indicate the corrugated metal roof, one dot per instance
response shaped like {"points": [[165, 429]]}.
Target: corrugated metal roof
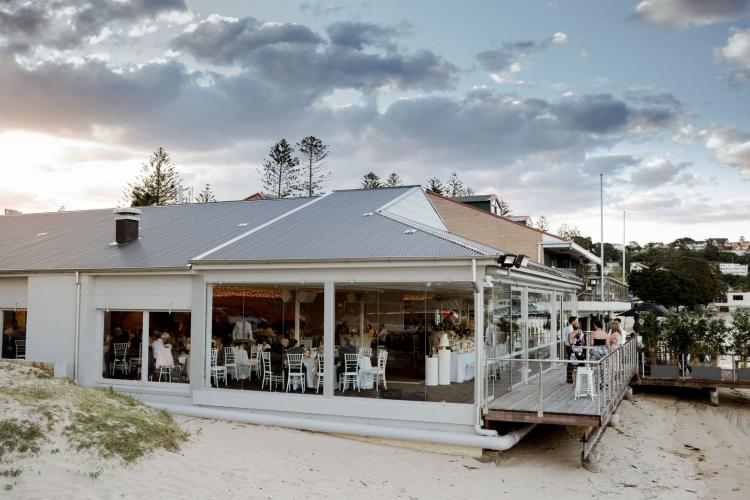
{"points": [[169, 236], [331, 227], [336, 227]]}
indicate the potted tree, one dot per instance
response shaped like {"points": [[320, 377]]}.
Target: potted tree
{"points": [[709, 339], [676, 337], [741, 341]]}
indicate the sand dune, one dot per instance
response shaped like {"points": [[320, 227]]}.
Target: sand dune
{"points": [[668, 446]]}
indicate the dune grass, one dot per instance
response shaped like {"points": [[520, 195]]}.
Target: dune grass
{"points": [[119, 426], [18, 437]]}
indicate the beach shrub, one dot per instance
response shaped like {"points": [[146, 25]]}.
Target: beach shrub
{"points": [[677, 333], [650, 333], [119, 426], [741, 335]]}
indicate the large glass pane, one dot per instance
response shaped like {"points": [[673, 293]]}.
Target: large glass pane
{"points": [[540, 324], [121, 350], [265, 337], [393, 334], [14, 334], [169, 347]]}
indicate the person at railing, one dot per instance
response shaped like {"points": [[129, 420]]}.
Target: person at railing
{"points": [[623, 333], [565, 334], [577, 340], [599, 339], [615, 335]]}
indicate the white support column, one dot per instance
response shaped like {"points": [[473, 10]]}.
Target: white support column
{"points": [[525, 333], [145, 360], [200, 333], [329, 337], [296, 315], [479, 344]]}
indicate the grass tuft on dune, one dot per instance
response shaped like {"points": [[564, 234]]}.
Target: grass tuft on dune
{"points": [[38, 412]]}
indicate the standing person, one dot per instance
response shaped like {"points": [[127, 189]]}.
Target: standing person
{"points": [[565, 334], [615, 335], [576, 340], [623, 333], [598, 338]]}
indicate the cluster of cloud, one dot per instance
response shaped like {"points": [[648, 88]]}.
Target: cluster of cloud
{"points": [[504, 63], [227, 87], [682, 14]]}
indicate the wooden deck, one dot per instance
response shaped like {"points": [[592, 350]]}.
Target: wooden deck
{"points": [[559, 407]]}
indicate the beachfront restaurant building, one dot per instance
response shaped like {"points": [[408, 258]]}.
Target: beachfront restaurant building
{"points": [[355, 312]]}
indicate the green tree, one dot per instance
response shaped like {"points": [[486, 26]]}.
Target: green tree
{"points": [[314, 151], [393, 180], [435, 186], [741, 335], [455, 187], [206, 195], [371, 180], [568, 232], [542, 223], [280, 172], [503, 208], [158, 183]]}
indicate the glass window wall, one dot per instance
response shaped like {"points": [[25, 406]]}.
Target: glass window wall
{"points": [[14, 334], [267, 337], [122, 348]]}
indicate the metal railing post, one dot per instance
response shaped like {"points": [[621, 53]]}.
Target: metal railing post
{"points": [[540, 412]]}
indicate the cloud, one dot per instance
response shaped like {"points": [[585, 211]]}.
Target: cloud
{"points": [[729, 146], [293, 55], [358, 36], [736, 52], [682, 14], [502, 63], [67, 24], [659, 171]]}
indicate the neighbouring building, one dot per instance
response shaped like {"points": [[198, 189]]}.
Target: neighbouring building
{"points": [[720, 243], [637, 266], [186, 306], [734, 300], [541, 246], [733, 269], [696, 246]]}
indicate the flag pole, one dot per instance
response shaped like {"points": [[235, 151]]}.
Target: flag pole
{"points": [[624, 248], [601, 220]]}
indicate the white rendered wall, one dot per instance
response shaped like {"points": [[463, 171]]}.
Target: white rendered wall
{"points": [[13, 293], [136, 293], [50, 323]]}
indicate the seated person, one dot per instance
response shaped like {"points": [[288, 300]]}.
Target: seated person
{"points": [[295, 347]]}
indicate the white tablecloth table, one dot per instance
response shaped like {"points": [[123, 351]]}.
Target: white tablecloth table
{"points": [[311, 366], [463, 366]]}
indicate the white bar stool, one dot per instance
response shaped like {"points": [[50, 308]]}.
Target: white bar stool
{"points": [[590, 391]]}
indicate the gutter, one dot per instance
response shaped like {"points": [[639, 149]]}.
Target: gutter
{"points": [[499, 443], [77, 326]]}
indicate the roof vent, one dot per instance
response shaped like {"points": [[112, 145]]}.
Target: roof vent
{"points": [[126, 224], [410, 231]]}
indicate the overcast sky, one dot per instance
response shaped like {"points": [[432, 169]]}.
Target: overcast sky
{"points": [[530, 100]]}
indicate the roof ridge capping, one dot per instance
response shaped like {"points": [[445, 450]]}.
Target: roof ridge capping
{"points": [[258, 228]]}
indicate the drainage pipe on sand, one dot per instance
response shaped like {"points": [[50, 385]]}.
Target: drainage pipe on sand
{"points": [[499, 443]]}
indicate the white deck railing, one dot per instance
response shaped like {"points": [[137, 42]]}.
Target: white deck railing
{"points": [[612, 373]]}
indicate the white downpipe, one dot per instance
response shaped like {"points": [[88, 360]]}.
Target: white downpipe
{"points": [[77, 326], [499, 443], [478, 349]]}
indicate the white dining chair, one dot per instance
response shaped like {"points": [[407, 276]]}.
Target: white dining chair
{"points": [[295, 370], [378, 371], [120, 362], [230, 363], [365, 352], [217, 371], [268, 375], [20, 349], [320, 376], [351, 367]]}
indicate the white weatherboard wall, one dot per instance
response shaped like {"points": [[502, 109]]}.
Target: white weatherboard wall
{"points": [[143, 293], [13, 293], [50, 324]]}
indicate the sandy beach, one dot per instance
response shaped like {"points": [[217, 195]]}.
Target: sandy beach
{"points": [[669, 445]]}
